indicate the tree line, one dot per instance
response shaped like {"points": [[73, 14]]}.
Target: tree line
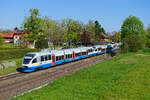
{"points": [[42, 30], [58, 32]]}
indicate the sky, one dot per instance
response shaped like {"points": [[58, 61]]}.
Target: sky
{"points": [[109, 13]]}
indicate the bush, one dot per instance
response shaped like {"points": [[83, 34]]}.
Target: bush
{"points": [[14, 53], [124, 48], [148, 43], [41, 43], [134, 43], [1, 40]]}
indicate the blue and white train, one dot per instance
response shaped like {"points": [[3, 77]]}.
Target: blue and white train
{"points": [[40, 60]]}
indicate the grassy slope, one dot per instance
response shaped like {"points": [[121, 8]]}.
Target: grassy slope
{"points": [[12, 68], [122, 78], [14, 55]]}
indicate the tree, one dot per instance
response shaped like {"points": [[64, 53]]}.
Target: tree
{"points": [[91, 29], [33, 25], [54, 32], [74, 29], [5, 31], [98, 31], [42, 42], [85, 38], [116, 37], [148, 32], [132, 25], [148, 36]]}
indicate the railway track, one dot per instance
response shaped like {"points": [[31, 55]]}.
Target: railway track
{"points": [[24, 84], [6, 77]]}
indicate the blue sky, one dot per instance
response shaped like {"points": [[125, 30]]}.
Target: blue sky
{"points": [[110, 13]]}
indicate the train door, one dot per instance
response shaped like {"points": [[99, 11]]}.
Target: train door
{"points": [[87, 52], [101, 51], [73, 57], [53, 59]]}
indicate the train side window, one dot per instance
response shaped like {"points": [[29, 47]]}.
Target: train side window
{"points": [[80, 54], [62, 57], [83, 53], [46, 58], [34, 60], [49, 57], [70, 55], [57, 58], [42, 58]]}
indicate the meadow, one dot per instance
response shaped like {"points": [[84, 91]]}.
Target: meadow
{"points": [[125, 77]]}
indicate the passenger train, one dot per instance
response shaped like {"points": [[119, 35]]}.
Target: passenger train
{"points": [[40, 60]]}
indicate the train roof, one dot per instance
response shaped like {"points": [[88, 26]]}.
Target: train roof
{"points": [[76, 50], [57, 52], [102, 46], [38, 53], [68, 51]]}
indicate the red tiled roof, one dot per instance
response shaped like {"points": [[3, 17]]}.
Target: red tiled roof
{"points": [[11, 35], [6, 35]]}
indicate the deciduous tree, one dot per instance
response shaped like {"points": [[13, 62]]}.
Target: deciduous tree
{"points": [[74, 29], [85, 38], [33, 25], [91, 29], [132, 25]]}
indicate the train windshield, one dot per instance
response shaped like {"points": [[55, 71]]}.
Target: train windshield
{"points": [[28, 58]]}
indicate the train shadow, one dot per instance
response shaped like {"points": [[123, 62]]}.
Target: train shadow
{"points": [[18, 69]]}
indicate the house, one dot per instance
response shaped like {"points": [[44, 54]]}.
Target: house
{"points": [[15, 37]]}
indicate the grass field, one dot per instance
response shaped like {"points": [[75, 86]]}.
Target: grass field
{"points": [[125, 77]]}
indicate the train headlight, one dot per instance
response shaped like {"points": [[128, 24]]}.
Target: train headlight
{"points": [[25, 67]]}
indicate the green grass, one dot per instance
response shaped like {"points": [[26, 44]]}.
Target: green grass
{"points": [[6, 54], [12, 68], [126, 77], [5, 45]]}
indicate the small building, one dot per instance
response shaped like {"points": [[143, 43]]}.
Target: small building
{"points": [[15, 37]]}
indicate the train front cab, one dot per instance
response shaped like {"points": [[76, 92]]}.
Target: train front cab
{"points": [[39, 61]]}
